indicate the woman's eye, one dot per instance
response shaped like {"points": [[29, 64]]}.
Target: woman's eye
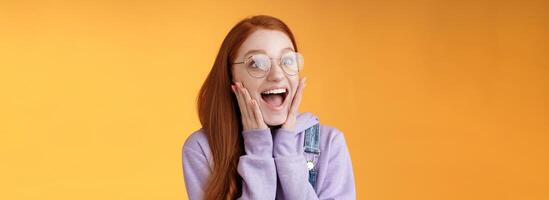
{"points": [[288, 61], [251, 64], [260, 65]]}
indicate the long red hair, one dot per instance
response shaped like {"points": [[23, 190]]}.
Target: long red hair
{"points": [[219, 113]]}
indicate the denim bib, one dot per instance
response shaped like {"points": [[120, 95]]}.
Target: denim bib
{"points": [[311, 146]]}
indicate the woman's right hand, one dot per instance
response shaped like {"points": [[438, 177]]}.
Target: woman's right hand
{"points": [[249, 108]]}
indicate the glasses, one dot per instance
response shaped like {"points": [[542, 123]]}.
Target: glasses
{"points": [[259, 65]]}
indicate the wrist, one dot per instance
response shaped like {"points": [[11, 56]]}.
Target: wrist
{"points": [[258, 142], [285, 143]]}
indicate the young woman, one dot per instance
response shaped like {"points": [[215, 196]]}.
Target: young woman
{"points": [[253, 143]]}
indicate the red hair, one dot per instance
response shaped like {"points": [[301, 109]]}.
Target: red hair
{"points": [[219, 113]]}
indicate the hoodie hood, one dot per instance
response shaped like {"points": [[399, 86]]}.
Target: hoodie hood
{"points": [[305, 120]]}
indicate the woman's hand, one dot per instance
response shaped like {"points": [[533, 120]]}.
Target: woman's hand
{"points": [[292, 113], [249, 109]]}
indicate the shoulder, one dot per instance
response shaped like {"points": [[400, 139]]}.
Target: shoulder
{"points": [[197, 142], [331, 138], [330, 132]]}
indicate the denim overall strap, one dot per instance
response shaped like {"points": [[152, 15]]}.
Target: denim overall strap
{"points": [[311, 146]]}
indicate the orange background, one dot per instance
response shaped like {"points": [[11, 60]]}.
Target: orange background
{"points": [[437, 99]]}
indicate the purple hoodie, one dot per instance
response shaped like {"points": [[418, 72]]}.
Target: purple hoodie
{"points": [[274, 166]]}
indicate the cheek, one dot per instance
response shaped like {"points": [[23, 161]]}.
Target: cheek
{"points": [[250, 84], [238, 74]]}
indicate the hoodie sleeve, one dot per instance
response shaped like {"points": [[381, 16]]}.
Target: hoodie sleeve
{"points": [[196, 171], [293, 174], [257, 167]]}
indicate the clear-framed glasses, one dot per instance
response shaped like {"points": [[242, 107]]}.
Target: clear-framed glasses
{"points": [[259, 65]]}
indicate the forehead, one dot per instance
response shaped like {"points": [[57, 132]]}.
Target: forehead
{"points": [[272, 42]]}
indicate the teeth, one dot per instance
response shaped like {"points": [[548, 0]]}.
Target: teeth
{"points": [[275, 91]]}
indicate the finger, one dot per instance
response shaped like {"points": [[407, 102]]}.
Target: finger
{"points": [[245, 104], [240, 100], [297, 98], [241, 105], [258, 115], [249, 106], [245, 92]]}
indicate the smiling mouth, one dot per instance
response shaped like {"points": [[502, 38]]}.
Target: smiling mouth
{"points": [[275, 98]]}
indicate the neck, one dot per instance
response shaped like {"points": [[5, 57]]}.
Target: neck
{"points": [[273, 128]]}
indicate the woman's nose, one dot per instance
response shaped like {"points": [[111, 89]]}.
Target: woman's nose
{"points": [[276, 73]]}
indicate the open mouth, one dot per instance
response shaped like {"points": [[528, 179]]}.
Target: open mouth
{"points": [[274, 97]]}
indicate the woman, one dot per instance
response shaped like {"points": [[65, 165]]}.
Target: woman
{"points": [[253, 143]]}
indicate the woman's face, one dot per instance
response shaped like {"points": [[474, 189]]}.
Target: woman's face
{"points": [[264, 90]]}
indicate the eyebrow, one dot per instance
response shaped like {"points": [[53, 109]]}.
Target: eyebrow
{"points": [[263, 51]]}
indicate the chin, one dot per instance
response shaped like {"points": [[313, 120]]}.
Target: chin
{"points": [[275, 120]]}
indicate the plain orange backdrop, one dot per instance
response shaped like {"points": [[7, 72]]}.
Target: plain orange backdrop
{"points": [[437, 99]]}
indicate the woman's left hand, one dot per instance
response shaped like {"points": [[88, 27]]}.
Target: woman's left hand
{"points": [[296, 101]]}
